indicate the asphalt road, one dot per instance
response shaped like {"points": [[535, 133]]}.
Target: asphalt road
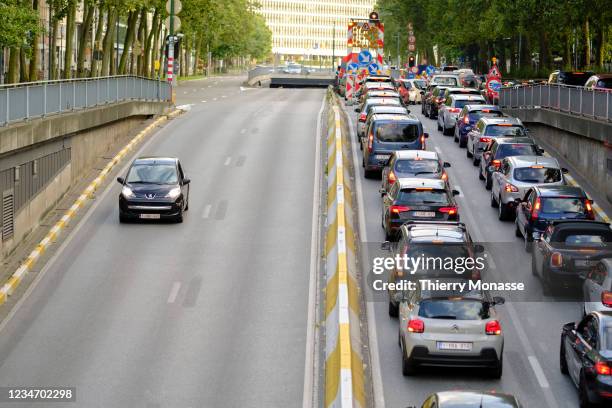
{"points": [[531, 326], [208, 313]]}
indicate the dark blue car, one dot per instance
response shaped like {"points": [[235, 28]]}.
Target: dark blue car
{"points": [[387, 133], [470, 114]]}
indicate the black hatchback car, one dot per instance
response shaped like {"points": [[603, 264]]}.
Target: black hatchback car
{"points": [[586, 356], [155, 188]]}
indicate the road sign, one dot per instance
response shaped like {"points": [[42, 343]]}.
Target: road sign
{"points": [[430, 69], [410, 32], [415, 69], [411, 47], [177, 6], [373, 68], [177, 23], [353, 67], [411, 75], [412, 39], [493, 85], [365, 57]]}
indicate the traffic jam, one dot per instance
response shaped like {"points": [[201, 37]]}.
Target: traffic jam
{"points": [[454, 324]]}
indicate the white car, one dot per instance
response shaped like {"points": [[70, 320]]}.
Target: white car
{"points": [[410, 90], [454, 327], [450, 110], [516, 175]]}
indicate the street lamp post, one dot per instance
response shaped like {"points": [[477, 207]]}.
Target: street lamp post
{"points": [[397, 37]]}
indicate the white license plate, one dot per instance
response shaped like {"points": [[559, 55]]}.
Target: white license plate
{"points": [[382, 156], [150, 216], [451, 345], [584, 262], [428, 214]]}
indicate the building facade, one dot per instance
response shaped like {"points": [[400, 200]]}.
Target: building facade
{"points": [[310, 29]]}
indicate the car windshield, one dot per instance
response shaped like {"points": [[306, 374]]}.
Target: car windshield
{"points": [[607, 340], [416, 167], [605, 83], [516, 149], [393, 131], [422, 196], [537, 175], [462, 309], [477, 114], [420, 84], [445, 81], [563, 205], [589, 240], [153, 174], [497, 130]]}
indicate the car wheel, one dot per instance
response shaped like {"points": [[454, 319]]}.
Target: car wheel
{"points": [[496, 372], [475, 160], [440, 127], [467, 152], [408, 366], [534, 270], [455, 139], [123, 219], [503, 211], [583, 394], [517, 230], [393, 310], [488, 181], [562, 360], [480, 176], [493, 200], [368, 173]]}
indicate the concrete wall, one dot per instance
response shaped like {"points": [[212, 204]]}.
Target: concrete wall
{"points": [[585, 143]]}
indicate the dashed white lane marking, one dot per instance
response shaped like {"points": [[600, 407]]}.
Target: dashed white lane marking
{"points": [[209, 86], [206, 212], [228, 161], [176, 286], [203, 101], [184, 92], [224, 96], [539, 373], [243, 131], [214, 99], [458, 188], [437, 149]]}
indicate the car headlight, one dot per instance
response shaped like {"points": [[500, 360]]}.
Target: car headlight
{"points": [[175, 192], [127, 192]]}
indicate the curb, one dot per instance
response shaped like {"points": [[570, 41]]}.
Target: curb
{"points": [[26, 266], [344, 367]]}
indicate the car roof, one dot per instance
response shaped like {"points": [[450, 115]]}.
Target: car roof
{"points": [[607, 263], [395, 116], [530, 160], [582, 224], [467, 97], [506, 119], [514, 140], [416, 182], [475, 399], [462, 89], [481, 107], [155, 160], [413, 154], [555, 191]]}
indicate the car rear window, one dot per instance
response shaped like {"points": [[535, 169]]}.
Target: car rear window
{"points": [[537, 175], [153, 174], [585, 240], [393, 131], [516, 149], [462, 103], [607, 340], [420, 84], [605, 83], [576, 79], [464, 309], [476, 114], [563, 205], [422, 197], [497, 130], [417, 167], [445, 81]]}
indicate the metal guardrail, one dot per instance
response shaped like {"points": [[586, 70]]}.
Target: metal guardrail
{"points": [[269, 70], [574, 100], [30, 100]]}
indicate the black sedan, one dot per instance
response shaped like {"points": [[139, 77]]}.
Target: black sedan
{"points": [[586, 356], [155, 188]]}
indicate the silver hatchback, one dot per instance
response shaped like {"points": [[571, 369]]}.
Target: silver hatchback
{"points": [[453, 326]]}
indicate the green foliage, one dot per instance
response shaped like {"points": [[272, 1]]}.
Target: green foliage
{"points": [[19, 22]]}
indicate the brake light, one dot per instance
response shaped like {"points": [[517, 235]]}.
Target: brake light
{"points": [[444, 176], [485, 139], [396, 209], [454, 110], [448, 210], [496, 163], [391, 177], [423, 141], [606, 298], [589, 208], [362, 117], [536, 209], [510, 188], [466, 119], [370, 141], [416, 326], [602, 368], [493, 328], [556, 259], [505, 124]]}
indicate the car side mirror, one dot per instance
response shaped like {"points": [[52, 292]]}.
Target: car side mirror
{"points": [[186, 181], [492, 169], [498, 300], [569, 326], [478, 248], [540, 151], [536, 236], [456, 192], [426, 135], [447, 164], [120, 180], [564, 170], [357, 110], [382, 191], [408, 110], [518, 201], [386, 246]]}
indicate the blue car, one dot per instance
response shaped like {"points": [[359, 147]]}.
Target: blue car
{"points": [[470, 114], [387, 133]]}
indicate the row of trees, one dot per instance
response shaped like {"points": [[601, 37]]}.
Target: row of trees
{"points": [[535, 35], [227, 28]]}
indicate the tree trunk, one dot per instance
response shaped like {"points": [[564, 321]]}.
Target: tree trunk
{"points": [[147, 49], [163, 57], [33, 75], [13, 71], [545, 53], [603, 44], [128, 41], [198, 46], [587, 43], [97, 43], [525, 53], [108, 41], [567, 51], [84, 37], [23, 65], [70, 23], [54, 58], [142, 29], [156, 52]]}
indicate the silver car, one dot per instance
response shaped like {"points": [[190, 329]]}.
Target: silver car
{"points": [[516, 175], [488, 128], [369, 102], [597, 287], [450, 327], [449, 111]]}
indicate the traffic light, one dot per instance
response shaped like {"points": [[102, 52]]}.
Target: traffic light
{"points": [[411, 61], [373, 17]]}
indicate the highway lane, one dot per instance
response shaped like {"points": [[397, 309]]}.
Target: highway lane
{"points": [[208, 313], [531, 327]]}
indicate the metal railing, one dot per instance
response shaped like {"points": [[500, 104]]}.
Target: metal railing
{"points": [[30, 100], [575, 100]]}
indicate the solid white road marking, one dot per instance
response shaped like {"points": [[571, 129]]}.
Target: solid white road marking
{"points": [[214, 99], [242, 131], [206, 212], [224, 96], [228, 161], [203, 101], [311, 333], [176, 286], [537, 369]]}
